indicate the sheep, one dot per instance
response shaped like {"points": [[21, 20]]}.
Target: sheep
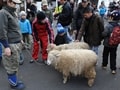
{"points": [[73, 45], [75, 62]]}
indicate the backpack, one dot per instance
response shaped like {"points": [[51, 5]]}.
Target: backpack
{"points": [[115, 36]]}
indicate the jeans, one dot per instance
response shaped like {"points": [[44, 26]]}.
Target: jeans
{"points": [[95, 49]]}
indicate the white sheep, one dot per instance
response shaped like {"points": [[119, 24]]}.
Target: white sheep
{"points": [[75, 62], [73, 45]]}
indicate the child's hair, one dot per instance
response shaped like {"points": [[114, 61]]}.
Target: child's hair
{"points": [[60, 29]]}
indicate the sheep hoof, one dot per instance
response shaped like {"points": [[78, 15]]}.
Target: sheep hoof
{"points": [[90, 82], [64, 81]]}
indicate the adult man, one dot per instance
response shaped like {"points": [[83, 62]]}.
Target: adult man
{"points": [[78, 16], [91, 28], [10, 37], [48, 13]]}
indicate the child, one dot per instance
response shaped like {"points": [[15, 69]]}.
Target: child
{"points": [[110, 49], [41, 30], [25, 28], [61, 36]]}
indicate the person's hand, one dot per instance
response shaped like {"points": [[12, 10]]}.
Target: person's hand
{"points": [[7, 51], [22, 42], [76, 41], [74, 31]]}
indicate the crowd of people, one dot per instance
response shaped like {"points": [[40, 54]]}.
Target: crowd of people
{"points": [[74, 23]]}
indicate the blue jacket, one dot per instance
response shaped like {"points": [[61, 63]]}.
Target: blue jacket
{"points": [[25, 26]]}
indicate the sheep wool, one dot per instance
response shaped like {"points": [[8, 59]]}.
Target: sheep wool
{"points": [[73, 45], [75, 62]]}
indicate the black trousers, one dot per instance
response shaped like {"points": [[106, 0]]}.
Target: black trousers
{"points": [[112, 53]]}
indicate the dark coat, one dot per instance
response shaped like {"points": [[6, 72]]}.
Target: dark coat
{"points": [[91, 30], [107, 32], [60, 39], [78, 17], [65, 17]]}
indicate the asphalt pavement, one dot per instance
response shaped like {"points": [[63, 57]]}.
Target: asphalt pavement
{"points": [[42, 77]]}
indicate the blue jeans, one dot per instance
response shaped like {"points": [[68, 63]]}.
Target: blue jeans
{"points": [[95, 49]]}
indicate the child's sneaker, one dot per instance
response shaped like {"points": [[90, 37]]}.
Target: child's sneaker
{"points": [[113, 72]]}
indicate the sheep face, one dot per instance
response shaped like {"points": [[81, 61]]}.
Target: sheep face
{"points": [[53, 57]]}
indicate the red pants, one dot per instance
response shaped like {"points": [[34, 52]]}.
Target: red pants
{"points": [[36, 48]]}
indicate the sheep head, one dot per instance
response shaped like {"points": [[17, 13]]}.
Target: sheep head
{"points": [[50, 47], [53, 57]]}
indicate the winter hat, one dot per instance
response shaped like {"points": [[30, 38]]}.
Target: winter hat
{"points": [[23, 13], [40, 15], [60, 29], [115, 15], [44, 2]]}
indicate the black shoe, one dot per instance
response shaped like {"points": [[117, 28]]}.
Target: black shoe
{"points": [[19, 86]]}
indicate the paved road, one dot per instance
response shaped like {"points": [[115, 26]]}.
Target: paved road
{"points": [[43, 77]]}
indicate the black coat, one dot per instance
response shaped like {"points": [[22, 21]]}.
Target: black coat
{"points": [[65, 17]]}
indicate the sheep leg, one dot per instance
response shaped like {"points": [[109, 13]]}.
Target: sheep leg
{"points": [[90, 74], [65, 77], [90, 82]]}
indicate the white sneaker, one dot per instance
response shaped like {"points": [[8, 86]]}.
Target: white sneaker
{"points": [[113, 72]]}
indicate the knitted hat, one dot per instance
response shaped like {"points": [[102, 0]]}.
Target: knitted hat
{"points": [[115, 15], [60, 29], [23, 13], [40, 15], [44, 2]]}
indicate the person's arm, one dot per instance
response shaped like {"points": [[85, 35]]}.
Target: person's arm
{"points": [[34, 31], [3, 30], [29, 26], [3, 33], [81, 31], [50, 32]]}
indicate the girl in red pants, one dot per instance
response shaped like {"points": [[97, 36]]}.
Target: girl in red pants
{"points": [[41, 30]]}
